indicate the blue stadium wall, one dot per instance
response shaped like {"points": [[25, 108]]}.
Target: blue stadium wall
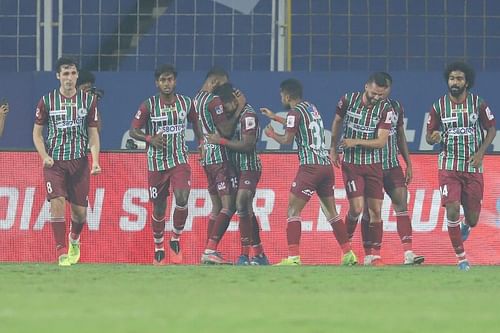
{"points": [[125, 91]]}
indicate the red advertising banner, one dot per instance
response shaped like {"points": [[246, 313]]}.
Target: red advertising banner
{"points": [[119, 223]]}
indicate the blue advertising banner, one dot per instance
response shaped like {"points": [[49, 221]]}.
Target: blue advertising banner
{"points": [[124, 92]]}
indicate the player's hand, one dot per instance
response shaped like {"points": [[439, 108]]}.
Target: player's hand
{"points": [[96, 168], [268, 113], [269, 131], [48, 162], [476, 160], [348, 143], [240, 97], [158, 141], [213, 138], [409, 174], [4, 109], [334, 156], [435, 137]]}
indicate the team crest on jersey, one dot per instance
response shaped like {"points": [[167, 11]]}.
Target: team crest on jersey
{"points": [[249, 123], [219, 109], [489, 114], [473, 118], [182, 114], [290, 121], [82, 112]]}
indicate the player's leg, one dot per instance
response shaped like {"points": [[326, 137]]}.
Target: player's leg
{"points": [[366, 237], [374, 192], [354, 184], [55, 186], [243, 201], [158, 192], [78, 191], [227, 185], [210, 172], [181, 184], [325, 183], [451, 192], [472, 196]]}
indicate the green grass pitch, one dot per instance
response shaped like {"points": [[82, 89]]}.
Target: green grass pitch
{"points": [[135, 298]]}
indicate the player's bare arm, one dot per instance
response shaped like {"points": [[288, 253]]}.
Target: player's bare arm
{"points": [[271, 115], [284, 139], [336, 125], [95, 148], [38, 141], [246, 145], [405, 152], [158, 140], [476, 160]]}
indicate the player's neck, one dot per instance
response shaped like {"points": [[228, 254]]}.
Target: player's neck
{"points": [[67, 92], [168, 99], [294, 102], [458, 99]]}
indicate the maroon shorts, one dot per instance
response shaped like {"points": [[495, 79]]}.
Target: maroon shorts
{"points": [[178, 177], [394, 178], [313, 178], [464, 187], [363, 180], [68, 179], [222, 179], [248, 180]]}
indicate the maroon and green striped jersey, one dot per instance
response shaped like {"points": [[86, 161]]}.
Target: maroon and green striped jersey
{"points": [[169, 119], [462, 127], [363, 122], [305, 122], [247, 125], [67, 120], [211, 112], [389, 154]]}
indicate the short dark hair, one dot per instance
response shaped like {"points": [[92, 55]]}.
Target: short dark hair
{"points": [[85, 76], [167, 68], [380, 79], [292, 87], [225, 92], [65, 61], [470, 74], [387, 76], [217, 72]]}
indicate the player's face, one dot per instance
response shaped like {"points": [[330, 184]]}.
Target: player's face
{"points": [[166, 83], [387, 92], [231, 107], [285, 100], [374, 93], [218, 81], [67, 76], [457, 83]]}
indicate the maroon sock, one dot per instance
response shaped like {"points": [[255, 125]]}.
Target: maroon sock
{"points": [[404, 230], [376, 232], [256, 241], [456, 238], [245, 226], [351, 223], [219, 229], [293, 232], [340, 232], [365, 235], [180, 216], [59, 231], [76, 230], [158, 225]]}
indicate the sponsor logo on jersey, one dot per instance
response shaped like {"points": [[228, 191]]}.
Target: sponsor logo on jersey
{"points": [[170, 129], [69, 123], [362, 128], [249, 123], [459, 131], [290, 121], [82, 112], [57, 112], [354, 114]]}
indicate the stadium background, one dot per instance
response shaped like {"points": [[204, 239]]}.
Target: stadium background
{"points": [[331, 45]]}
